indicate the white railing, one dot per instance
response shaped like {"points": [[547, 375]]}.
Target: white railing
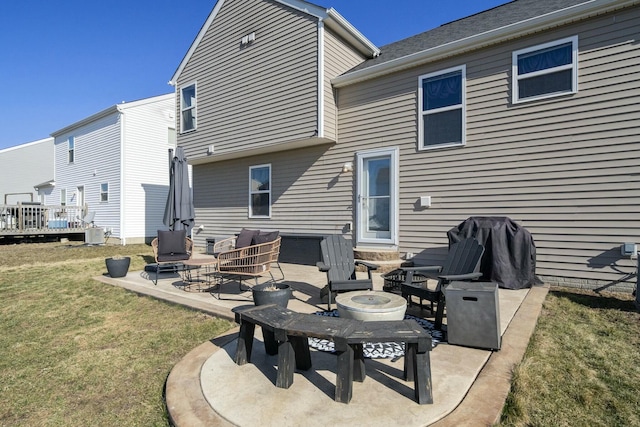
{"points": [[32, 217]]}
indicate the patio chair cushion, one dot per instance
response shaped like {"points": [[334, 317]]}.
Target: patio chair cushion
{"points": [[265, 237], [171, 243], [245, 238]]}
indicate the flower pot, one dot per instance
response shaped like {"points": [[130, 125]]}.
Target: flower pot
{"points": [[117, 267], [266, 294]]}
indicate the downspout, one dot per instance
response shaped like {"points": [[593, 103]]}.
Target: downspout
{"points": [[122, 222], [320, 79]]}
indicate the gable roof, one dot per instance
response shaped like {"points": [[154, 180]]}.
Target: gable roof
{"points": [[329, 17], [514, 19]]}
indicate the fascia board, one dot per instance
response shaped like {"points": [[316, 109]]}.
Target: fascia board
{"points": [[333, 19], [478, 41], [104, 113], [196, 42], [340, 25]]}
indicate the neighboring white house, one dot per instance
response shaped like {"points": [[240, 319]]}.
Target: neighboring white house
{"points": [[27, 172], [116, 163]]}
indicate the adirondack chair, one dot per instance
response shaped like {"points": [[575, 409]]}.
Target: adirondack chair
{"points": [[338, 263], [462, 263]]}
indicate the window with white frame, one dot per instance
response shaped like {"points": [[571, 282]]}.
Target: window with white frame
{"points": [[63, 197], [260, 191], [71, 149], [188, 105], [104, 192], [442, 109], [546, 70]]}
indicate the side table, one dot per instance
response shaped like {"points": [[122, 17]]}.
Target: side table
{"points": [[193, 274]]}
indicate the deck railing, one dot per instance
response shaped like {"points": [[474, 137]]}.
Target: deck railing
{"points": [[32, 217]]}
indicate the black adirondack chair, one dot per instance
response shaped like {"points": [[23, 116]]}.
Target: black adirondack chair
{"points": [[338, 263], [462, 263]]}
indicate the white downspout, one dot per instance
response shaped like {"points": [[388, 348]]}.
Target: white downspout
{"points": [[122, 222], [320, 79]]}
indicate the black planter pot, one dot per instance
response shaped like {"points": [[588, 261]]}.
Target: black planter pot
{"points": [[117, 267], [279, 296], [265, 294]]}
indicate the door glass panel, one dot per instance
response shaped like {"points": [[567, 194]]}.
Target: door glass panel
{"points": [[377, 200]]}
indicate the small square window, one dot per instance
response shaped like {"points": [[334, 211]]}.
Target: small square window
{"points": [[546, 70], [260, 191], [188, 105]]}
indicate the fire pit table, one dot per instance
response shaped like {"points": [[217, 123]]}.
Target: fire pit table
{"points": [[371, 305]]}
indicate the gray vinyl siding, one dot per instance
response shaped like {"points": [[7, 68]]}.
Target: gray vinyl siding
{"points": [[243, 102], [566, 168], [339, 58], [309, 194], [23, 167]]}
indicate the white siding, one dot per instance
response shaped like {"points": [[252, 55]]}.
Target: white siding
{"points": [[97, 160], [568, 168], [23, 167], [145, 164]]}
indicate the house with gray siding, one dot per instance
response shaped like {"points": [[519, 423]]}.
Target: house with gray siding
{"points": [[116, 164], [294, 121], [27, 172]]}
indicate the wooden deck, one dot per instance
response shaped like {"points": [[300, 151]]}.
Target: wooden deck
{"points": [[32, 220]]}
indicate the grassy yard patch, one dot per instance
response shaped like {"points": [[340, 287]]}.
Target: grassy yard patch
{"points": [[76, 352], [582, 365]]}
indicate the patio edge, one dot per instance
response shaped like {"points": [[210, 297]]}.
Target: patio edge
{"points": [[488, 393]]}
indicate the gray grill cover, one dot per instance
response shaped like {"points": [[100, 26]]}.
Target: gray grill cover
{"points": [[510, 252]]}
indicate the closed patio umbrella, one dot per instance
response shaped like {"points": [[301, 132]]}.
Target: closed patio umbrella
{"points": [[179, 213]]}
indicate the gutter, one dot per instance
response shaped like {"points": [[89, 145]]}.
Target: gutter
{"points": [[491, 37]]}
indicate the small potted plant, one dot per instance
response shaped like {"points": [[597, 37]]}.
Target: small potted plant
{"points": [[118, 266], [272, 293]]}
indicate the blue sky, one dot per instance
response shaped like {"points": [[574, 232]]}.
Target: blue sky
{"points": [[65, 60]]}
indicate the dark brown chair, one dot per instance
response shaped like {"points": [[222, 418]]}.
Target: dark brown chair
{"points": [[462, 264], [338, 263]]}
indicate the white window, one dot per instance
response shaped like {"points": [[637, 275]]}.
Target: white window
{"points": [[546, 70], [260, 191], [442, 109], [63, 196], [71, 148], [188, 108], [104, 192]]}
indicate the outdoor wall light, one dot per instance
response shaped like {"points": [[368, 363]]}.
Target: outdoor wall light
{"points": [[347, 167]]}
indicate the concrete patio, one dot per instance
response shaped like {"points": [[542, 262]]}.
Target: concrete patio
{"points": [[206, 388]]}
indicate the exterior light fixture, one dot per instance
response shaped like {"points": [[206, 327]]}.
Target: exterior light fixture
{"points": [[347, 167]]}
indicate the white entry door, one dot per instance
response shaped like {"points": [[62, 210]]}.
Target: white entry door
{"points": [[377, 198]]}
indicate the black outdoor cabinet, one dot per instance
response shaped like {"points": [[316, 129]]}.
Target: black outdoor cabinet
{"points": [[473, 314], [301, 249]]}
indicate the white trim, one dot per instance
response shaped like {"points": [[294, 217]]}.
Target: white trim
{"points": [[482, 40], [193, 107], [463, 69], [515, 78], [335, 21], [196, 42], [394, 197], [250, 211], [320, 79]]}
